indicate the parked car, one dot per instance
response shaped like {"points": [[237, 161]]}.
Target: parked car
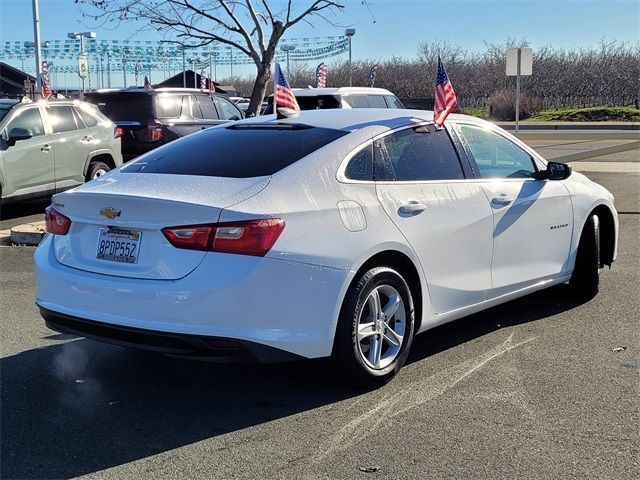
{"points": [[47, 147], [150, 118], [343, 97], [337, 233]]}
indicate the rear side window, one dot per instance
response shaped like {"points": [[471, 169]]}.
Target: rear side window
{"points": [[236, 151], [61, 119], [357, 101], [207, 107], [360, 167], [416, 154], [123, 106], [377, 101], [228, 110], [88, 119], [393, 102], [172, 106]]}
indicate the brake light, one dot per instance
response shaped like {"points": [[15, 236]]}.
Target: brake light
{"points": [[118, 132], [193, 238], [155, 131], [253, 237], [56, 222]]}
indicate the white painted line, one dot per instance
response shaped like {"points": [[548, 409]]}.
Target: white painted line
{"points": [[609, 167]]}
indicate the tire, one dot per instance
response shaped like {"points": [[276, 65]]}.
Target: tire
{"points": [[96, 169], [363, 357], [585, 280]]}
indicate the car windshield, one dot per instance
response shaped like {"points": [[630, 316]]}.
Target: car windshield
{"points": [[237, 151], [3, 111], [125, 106]]}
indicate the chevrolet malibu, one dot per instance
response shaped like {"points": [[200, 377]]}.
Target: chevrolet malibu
{"points": [[336, 233]]}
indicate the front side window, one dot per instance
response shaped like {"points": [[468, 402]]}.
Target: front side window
{"points": [[416, 154], [28, 119], [360, 167], [496, 156], [377, 101], [61, 119], [229, 110]]}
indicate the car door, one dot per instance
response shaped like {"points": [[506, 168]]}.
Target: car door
{"points": [[206, 109], [421, 184], [533, 219], [28, 164], [70, 145]]}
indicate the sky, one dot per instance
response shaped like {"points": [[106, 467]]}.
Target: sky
{"points": [[386, 28]]}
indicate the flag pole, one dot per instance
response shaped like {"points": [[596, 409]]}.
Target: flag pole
{"points": [[275, 102]]}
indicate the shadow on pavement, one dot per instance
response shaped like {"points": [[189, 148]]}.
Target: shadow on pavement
{"points": [[18, 210], [81, 407]]}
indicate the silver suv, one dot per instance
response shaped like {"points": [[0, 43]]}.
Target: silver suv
{"points": [[47, 147]]}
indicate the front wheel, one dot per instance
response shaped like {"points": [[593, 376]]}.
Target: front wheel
{"points": [[585, 280], [375, 328]]}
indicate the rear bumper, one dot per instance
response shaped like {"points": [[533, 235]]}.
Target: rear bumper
{"points": [[285, 305], [194, 346]]}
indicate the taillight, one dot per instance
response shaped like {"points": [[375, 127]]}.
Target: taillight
{"points": [[154, 131], [193, 238], [56, 222], [253, 237], [118, 132]]}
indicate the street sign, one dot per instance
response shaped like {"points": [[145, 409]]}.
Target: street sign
{"points": [[526, 62], [83, 65], [519, 63]]}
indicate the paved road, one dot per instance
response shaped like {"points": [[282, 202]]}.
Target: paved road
{"points": [[531, 389]]}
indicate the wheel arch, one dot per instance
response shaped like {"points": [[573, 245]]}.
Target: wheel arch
{"points": [[607, 233], [409, 271], [99, 156]]}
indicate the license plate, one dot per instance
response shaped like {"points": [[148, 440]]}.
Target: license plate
{"points": [[118, 245]]}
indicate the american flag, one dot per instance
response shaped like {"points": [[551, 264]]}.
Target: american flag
{"points": [[203, 80], [372, 75], [45, 89], [147, 83], [446, 100], [284, 97], [321, 75]]}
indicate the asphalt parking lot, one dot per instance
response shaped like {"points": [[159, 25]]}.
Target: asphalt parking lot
{"points": [[541, 387]]}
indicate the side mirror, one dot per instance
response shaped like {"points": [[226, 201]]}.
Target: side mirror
{"points": [[555, 171], [18, 133]]}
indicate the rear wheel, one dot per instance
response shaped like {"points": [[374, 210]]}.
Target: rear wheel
{"points": [[585, 280], [97, 169], [375, 329]]}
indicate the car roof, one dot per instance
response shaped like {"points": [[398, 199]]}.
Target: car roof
{"points": [[154, 90], [314, 92], [351, 119]]}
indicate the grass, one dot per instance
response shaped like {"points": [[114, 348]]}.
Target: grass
{"points": [[480, 112], [592, 114]]}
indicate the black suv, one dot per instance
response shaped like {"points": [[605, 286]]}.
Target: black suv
{"points": [[150, 118]]}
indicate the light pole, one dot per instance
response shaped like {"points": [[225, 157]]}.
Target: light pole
{"points": [[36, 39], [82, 36], [287, 49], [350, 32], [182, 48]]}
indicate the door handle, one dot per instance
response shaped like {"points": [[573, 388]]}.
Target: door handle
{"points": [[45, 148], [413, 207], [87, 138], [502, 200]]}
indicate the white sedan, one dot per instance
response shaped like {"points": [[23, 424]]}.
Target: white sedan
{"points": [[338, 233]]}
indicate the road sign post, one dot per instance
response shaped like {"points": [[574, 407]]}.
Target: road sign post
{"points": [[519, 63]]}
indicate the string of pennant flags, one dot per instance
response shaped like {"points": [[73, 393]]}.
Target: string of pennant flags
{"points": [[117, 55]]}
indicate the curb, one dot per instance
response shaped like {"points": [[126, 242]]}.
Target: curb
{"points": [[28, 234]]}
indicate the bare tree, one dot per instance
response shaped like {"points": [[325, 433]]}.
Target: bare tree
{"points": [[255, 30]]}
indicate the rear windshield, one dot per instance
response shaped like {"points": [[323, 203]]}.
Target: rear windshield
{"points": [[319, 102], [236, 151], [133, 107]]}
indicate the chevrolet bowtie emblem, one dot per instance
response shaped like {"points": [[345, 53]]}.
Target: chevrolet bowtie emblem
{"points": [[110, 212]]}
